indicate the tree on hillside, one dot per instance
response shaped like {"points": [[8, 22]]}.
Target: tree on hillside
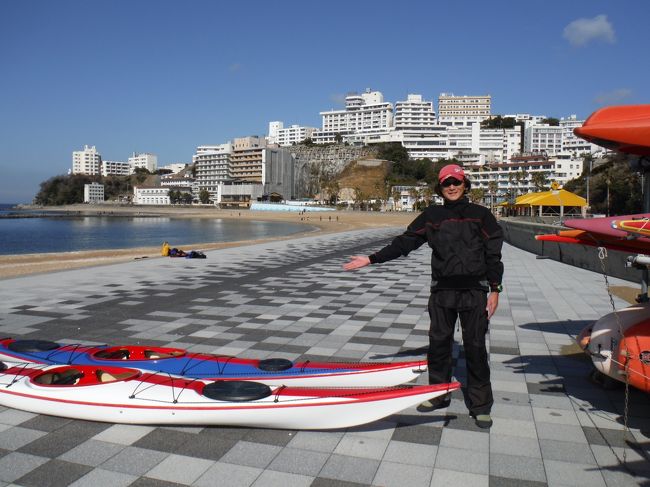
{"points": [[63, 190], [498, 122], [539, 180], [204, 196], [552, 121], [476, 195], [397, 197]]}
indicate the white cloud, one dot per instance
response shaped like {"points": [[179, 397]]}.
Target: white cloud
{"points": [[582, 31], [233, 68], [613, 97]]}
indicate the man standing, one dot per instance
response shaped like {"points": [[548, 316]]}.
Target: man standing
{"points": [[466, 274]]}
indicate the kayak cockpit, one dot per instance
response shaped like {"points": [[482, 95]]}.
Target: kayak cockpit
{"points": [[83, 375], [136, 352]]}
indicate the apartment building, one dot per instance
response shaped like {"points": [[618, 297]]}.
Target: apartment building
{"points": [[175, 167], [87, 161], [246, 159], [93, 193], [366, 113], [414, 114], [572, 143], [212, 164], [543, 138], [292, 135], [150, 195], [144, 160], [115, 168], [455, 111]]}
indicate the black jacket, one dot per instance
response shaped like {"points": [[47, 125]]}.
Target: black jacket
{"points": [[465, 239]]}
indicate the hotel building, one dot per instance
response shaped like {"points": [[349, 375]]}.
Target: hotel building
{"points": [[148, 195], [364, 114], [246, 159], [87, 161], [93, 193], [145, 160], [454, 111], [212, 166], [115, 168]]}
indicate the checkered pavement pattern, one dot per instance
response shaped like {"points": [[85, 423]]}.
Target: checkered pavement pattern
{"points": [[291, 299]]}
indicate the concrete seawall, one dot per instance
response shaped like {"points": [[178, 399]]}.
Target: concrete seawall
{"points": [[521, 234]]}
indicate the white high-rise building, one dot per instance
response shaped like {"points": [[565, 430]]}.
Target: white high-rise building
{"points": [[573, 144], [93, 193], [455, 111], [543, 138], [364, 114], [115, 168], [87, 161], [414, 114], [212, 166], [145, 160], [293, 135], [274, 127]]}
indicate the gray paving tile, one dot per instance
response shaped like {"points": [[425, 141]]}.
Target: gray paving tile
{"points": [[302, 462], [270, 478], [573, 474], [17, 437], [315, 440], [394, 474], [453, 477], [179, 469], [251, 454], [411, 453], [456, 459], [566, 451], [134, 461], [514, 445], [14, 465], [91, 453], [236, 475], [104, 477], [517, 467], [350, 469], [53, 473], [362, 447]]}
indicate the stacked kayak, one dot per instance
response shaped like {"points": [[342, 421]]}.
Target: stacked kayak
{"points": [[180, 362], [128, 395]]}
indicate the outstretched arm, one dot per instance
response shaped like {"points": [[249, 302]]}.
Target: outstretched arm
{"points": [[356, 262]]}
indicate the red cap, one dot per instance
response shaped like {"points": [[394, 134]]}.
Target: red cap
{"points": [[453, 171]]}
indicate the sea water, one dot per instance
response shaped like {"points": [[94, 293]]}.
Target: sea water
{"points": [[37, 234]]}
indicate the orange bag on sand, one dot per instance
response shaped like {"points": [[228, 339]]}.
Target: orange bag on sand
{"points": [[165, 249]]}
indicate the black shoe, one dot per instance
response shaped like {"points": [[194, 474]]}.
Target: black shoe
{"points": [[483, 421], [439, 402]]}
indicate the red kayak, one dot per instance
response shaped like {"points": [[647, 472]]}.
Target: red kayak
{"points": [[623, 128]]}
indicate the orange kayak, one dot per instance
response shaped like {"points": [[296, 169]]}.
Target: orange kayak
{"points": [[634, 351], [624, 128]]}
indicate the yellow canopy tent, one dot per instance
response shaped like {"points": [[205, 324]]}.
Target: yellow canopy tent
{"points": [[555, 198]]}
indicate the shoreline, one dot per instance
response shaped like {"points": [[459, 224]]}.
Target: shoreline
{"points": [[30, 264]]}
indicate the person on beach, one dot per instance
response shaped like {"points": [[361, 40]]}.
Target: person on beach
{"points": [[466, 274]]}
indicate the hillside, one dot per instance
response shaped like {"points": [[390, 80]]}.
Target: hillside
{"points": [[365, 175]]}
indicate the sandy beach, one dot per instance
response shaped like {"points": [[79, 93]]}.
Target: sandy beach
{"points": [[324, 222]]}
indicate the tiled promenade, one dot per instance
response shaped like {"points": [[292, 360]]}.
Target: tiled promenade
{"points": [[291, 299]]}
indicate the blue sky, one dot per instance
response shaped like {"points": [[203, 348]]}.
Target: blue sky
{"points": [[163, 77]]}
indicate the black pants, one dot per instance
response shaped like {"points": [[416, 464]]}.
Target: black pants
{"points": [[444, 307]]}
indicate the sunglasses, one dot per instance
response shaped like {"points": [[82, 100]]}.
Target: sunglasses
{"points": [[451, 182]]}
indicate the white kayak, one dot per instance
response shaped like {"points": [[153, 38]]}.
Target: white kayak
{"points": [[602, 339], [132, 396]]}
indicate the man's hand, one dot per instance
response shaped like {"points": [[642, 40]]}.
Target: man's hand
{"points": [[492, 304], [356, 262]]}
